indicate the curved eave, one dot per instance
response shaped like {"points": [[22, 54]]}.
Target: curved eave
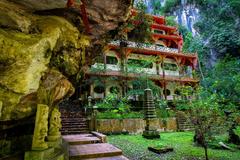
{"points": [[163, 27], [158, 19], [169, 37]]}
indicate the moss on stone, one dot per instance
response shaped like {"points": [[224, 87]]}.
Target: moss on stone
{"points": [[24, 57]]}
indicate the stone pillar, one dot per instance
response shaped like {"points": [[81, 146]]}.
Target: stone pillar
{"points": [[41, 128], [150, 131], [54, 133], [1, 106], [42, 150]]}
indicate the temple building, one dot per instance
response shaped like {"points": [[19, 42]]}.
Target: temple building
{"points": [[161, 60]]}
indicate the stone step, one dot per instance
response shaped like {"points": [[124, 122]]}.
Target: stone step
{"points": [[75, 123], [81, 139], [109, 158], [99, 150], [73, 119], [75, 126], [74, 132]]}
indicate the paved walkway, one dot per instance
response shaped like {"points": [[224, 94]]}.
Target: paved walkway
{"points": [[92, 147]]}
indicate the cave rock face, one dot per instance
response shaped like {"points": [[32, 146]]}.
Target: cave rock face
{"points": [[43, 51], [106, 15]]}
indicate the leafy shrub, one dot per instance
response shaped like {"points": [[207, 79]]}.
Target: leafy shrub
{"points": [[116, 108], [170, 20], [170, 5], [182, 106], [115, 115], [237, 131]]}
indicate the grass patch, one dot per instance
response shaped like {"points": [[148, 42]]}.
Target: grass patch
{"points": [[135, 148]]}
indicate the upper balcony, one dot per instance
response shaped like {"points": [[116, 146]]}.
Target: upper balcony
{"points": [[146, 46], [151, 49]]}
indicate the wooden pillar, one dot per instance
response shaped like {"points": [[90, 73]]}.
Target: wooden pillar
{"points": [[105, 62], [70, 3], [163, 73]]}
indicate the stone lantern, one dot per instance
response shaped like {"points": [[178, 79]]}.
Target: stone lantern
{"points": [[150, 117]]}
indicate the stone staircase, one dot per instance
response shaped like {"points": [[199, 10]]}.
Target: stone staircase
{"points": [[92, 146], [183, 122], [74, 122]]}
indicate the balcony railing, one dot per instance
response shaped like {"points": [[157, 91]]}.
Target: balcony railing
{"points": [[152, 47]]}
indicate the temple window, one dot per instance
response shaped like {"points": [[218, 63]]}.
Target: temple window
{"points": [[177, 92], [170, 67], [158, 31], [166, 92], [112, 60], [99, 89], [160, 45]]}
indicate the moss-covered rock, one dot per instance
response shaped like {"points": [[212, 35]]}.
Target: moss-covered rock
{"points": [[24, 59]]}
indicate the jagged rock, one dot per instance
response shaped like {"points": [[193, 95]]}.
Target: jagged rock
{"points": [[106, 15], [55, 83], [103, 16], [14, 16], [42, 4]]}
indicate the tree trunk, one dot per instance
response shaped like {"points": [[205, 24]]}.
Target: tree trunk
{"points": [[206, 154]]}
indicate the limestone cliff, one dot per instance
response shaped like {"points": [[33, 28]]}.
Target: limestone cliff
{"points": [[40, 51]]}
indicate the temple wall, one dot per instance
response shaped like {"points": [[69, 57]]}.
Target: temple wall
{"points": [[133, 126]]}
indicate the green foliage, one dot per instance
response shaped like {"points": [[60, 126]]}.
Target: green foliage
{"points": [[140, 5], [116, 108], [162, 110], [139, 25], [237, 131], [218, 26], [138, 65], [114, 103], [164, 113], [140, 84], [224, 80], [218, 23], [170, 5], [182, 106], [207, 119], [170, 21], [157, 8]]}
